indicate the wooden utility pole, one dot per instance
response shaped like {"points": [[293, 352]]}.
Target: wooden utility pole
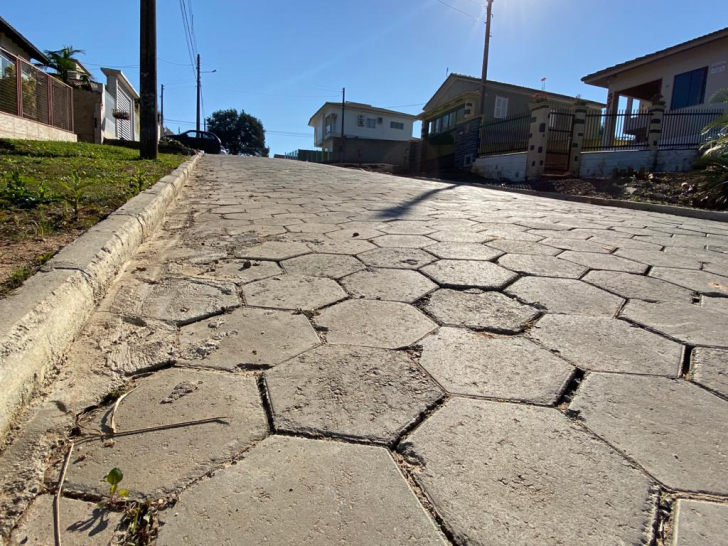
{"points": [[486, 53], [149, 133], [199, 91], [343, 111]]}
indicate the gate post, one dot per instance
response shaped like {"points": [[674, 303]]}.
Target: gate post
{"points": [[655, 127], [578, 129], [537, 141]]}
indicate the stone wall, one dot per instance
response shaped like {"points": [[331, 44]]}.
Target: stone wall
{"points": [[602, 164], [510, 167], [25, 129]]}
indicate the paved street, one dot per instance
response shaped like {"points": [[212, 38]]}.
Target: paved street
{"points": [[399, 361]]}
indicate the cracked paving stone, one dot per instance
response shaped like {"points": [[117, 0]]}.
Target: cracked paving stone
{"points": [[352, 247], [294, 491], [162, 462], [403, 241], [81, 523], [480, 310], [272, 250], [684, 322], [469, 274], [334, 266], [506, 368], [700, 523], [606, 262], [388, 284], [293, 292], [524, 247], [464, 251], [657, 258], [675, 430], [398, 258], [638, 287], [246, 338], [181, 301], [710, 369], [352, 392], [542, 266], [565, 296], [477, 462], [237, 271], [703, 282], [608, 345], [389, 325]]}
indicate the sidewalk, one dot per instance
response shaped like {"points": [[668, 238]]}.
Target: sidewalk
{"points": [[385, 361]]}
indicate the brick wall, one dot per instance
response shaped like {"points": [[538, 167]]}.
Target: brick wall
{"points": [[25, 129]]}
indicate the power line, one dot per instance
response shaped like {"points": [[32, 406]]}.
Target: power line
{"points": [[405, 105], [271, 94], [460, 11], [175, 64]]}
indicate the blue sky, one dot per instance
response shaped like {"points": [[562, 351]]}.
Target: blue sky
{"points": [[281, 59]]}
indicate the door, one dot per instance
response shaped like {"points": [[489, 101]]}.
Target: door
{"points": [[558, 147]]}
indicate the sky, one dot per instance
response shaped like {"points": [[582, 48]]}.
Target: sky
{"points": [[280, 60]]}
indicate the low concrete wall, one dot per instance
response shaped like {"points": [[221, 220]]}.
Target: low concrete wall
{"points": [[511, 167], [25, 129], [361, 150], [601, 164], [40, 319]]}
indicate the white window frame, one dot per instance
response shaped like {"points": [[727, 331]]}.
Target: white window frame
{"points": [[398, 125], [501, 107], [371, 123]]}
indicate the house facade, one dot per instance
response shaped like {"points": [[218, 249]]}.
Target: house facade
{"points": [[451, 122]]}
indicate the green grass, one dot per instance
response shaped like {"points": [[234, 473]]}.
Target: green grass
{"points": [[109, 169]]}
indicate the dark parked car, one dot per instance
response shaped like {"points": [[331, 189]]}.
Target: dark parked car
{"points": [[200, 140]]}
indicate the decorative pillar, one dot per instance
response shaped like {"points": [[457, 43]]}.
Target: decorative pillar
{"points": [[537, 140], [610, 120], [578, 129], [655, 127]]}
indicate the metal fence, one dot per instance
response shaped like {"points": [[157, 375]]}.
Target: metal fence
{"points": [[507, 135], [312, 156], [28, 92], [682, 129], [622, 130]]}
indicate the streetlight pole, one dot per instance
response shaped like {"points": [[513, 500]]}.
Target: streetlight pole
{"points": [[149, 133], [199, 91], [343, 112], [486, 53]]}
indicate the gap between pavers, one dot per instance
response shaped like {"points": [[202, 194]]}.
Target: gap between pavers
{"points": [[40, 320]]}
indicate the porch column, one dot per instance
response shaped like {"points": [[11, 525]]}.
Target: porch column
{"points": [[610, 120], [578, 130], [538, 138]]}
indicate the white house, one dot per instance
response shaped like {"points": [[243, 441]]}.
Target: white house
{"points": [[361, 121]]}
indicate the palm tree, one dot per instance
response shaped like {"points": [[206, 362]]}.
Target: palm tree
{"points": [[63, 62]]}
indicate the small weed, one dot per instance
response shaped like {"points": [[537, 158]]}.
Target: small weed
{"points": [[137, 182], [73, 190], [19, 194], [16, 278]]}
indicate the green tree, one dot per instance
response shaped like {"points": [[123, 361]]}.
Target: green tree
{"points": [[240, 133], [715, 156], [62, 61]]}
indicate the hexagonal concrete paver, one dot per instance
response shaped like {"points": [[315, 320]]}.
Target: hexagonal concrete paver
{"points": [[399, 258], [464, 251], [638, 287], [460, 236], [609, 345], [506, 474], [542, 266], [246, 338], [181, 301], [352, 392], [565, 296], [699, 523], [407, 227], [524, 247], [312, 227], [658, 258], [403, 241], [710, 369], [290, 491], [703, 282], [687, 323], [272, 250], [384, 324], [577, 245], [352, 247], [159, 463], [674, 429], [388, 284], [507, 368], [354, 234], [480, 310], [237, 271], [469, 274], [334, 266], [715, 304], [293, 292], [607, 262]]}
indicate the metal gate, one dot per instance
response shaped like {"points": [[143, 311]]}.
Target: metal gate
{"points": [[558, 146]]}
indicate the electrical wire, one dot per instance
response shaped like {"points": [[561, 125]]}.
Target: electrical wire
{"points": [[460, 11], [271, 94]]}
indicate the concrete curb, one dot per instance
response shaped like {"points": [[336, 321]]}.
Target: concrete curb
{"points": [[40, 320], [647, 207]]}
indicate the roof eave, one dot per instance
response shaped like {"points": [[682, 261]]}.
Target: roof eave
{"points": [[16, 36]]}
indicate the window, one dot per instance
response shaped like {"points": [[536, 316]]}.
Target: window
{"points": [[501, 107], [689, 88], [371, 123], [331, 123], [446, 122], [397, 125]]}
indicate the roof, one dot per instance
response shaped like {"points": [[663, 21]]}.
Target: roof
{"points": [[108, 72], [596, 77], [361, 106], [10, 31], [529, 90]]}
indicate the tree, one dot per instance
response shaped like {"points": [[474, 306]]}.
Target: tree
{"points": [[715, 155], [240, 133], [62, 61]]}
